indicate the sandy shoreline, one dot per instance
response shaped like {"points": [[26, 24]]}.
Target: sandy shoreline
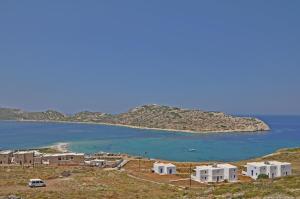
{"points": [[142, 128], [63, 147]]}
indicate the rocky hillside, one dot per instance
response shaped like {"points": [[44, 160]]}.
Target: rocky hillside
{"points": [[151, 116], [17, 114], [10, 114]]}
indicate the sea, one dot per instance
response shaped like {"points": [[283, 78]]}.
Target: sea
{"points": [[175, 146]]}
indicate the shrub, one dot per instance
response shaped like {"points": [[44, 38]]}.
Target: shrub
{"points": [[262, 176]]}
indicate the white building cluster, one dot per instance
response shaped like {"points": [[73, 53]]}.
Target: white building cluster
{"points": [[272, 169], [34, 157], [228, 172]]}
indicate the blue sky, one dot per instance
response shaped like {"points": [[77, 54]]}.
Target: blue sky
{"points": [[240, 57]]}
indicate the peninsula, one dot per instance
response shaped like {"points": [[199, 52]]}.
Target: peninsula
{"points": [[152, 116]]}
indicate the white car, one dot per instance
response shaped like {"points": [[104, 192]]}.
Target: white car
{"points": [[36, 183]]}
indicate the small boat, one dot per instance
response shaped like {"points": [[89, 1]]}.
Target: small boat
{"points": [[191, 150]]}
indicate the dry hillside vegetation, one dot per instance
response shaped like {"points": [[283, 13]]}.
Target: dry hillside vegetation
{"points": [[151, 116]]}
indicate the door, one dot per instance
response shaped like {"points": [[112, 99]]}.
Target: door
{"points": [[218, 178]]}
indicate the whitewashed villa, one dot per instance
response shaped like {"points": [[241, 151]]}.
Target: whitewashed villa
{"points": [[164, 168], [215, 173], [271, 168]]}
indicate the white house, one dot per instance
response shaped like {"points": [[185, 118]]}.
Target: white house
{"points": [[230, 172], [271, 168], [96, 163], [215, 173], [164, 168], [283, 168]]}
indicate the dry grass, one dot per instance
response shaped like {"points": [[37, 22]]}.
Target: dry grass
{"points": [[84, 182]]}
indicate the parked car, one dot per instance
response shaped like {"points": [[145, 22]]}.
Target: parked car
{"points": [[36, 183]]}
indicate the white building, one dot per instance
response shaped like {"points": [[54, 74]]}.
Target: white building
{"points": [[215, 173], [96, 163], [283, 168], [164, 168], [271, 168], [230, 172], [6, 157]]}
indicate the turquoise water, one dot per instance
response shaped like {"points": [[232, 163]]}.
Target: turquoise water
{"points": [[157, 144]]}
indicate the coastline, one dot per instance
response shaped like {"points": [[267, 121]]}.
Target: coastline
{"points": [[144, 128], [62, 147]]}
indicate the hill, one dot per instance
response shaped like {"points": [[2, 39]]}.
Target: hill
{"points": [[150, 116]]}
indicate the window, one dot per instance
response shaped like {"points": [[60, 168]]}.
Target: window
{"points": [[234, 176]]}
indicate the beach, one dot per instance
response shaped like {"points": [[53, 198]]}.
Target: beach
{"points": [[62, 147]]}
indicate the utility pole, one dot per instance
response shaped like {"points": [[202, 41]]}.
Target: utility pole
{"points": [[140, 164], [190, 175]]}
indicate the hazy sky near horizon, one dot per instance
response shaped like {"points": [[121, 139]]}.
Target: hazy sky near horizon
{"points": [[240, 57]]}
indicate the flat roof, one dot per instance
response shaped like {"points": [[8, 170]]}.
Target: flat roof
{"points": [[5, 152], [256, 164], [226, 165], [164, 164], [208, 167], [98, 160], [278, 163], [63, 154], [267, 163]]}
